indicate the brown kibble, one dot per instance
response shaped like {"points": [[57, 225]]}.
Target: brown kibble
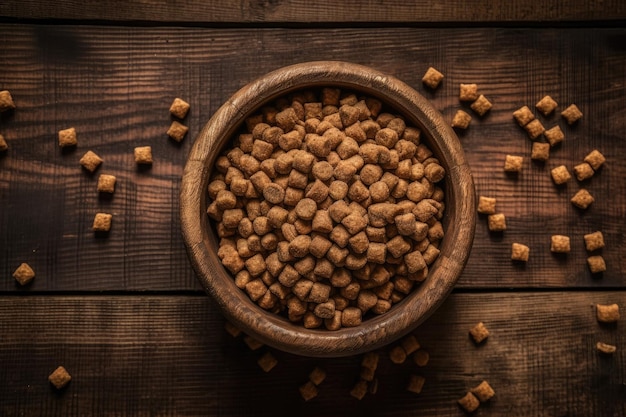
{"points": [[256, 289], [534, 129], [496, 222], [308, 390], [594, 241], [102, 222], [177, 131], [351, 317], [468, 92], [572, 114], [416, 383], [354, 223], [540, 151], [410, 344], [143, 155], [519, 252], [106, 183], [483, 391], [274, 193], [366, 300], [559, 244], [60, 378], [225, 200], [606, 348], [596, 264], [90, 161], [67, 137], [486, 205], [421, 357], [414, 261], [338, 190], [267, 361], [607, 313], [306, 208], [317, 375], [231, 329], [560, 175], [595, 159], [397, 355], [479, 332], [370, 361], [387, 137], [359, 390], [461, 119], [583, 171], [546, 105], [232, 217], [554, 135], [432, 78], [325, 310], [481, 105], [24, 274], [434, 172], [523, 116], [469, 402], [6, 101], [513, 163], [179, 108], [582, 199]]}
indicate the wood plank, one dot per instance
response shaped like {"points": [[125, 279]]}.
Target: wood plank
{"points": [[115, 85], [299, 11], [169, 355]]}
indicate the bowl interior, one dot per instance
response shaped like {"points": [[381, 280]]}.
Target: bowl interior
{"points": [[202, 241]]}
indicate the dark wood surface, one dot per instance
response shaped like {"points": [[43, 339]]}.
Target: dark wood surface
{"points": [[125, 313]]}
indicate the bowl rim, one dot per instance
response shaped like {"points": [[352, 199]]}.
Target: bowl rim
{"points": [[375, 332]]}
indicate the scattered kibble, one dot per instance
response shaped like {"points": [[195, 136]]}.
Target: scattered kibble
{"points": [[583, 171], [607, 313], [582, 199], [24, 274], [572, 114], [554, 135], [143, 155], [410, 344], [481, 106], [6, 101], [596, 264], [483, 391], [496, 222], [106, 183], [486, 205], [231, 329], [461, 119], [67, 137], [90, 161], [308, 390], [523, 116], [397, 355], [179, 108], [359, 390], [432, 78], [102, 222], [540, 151], [479, 332], [267, 361], [560, 175], [594, 241], [177, 131], [559, 244], [534, 129], [595, 159], [469, 402], [60, 378], [317, 375], [546, 105], [519, 252], [468, 92], [416, 383], [513, 163], [252, 343], [606, 348], [421, 357]]}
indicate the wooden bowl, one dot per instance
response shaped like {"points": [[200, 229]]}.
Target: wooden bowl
{"points": [[202, 242]]}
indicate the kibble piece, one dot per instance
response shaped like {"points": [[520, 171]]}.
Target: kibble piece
{"points": [[106, 183], [60, 377], [595, 159], [481, 105], [231, 329], [102, 222], [267, 361], [546, 105], [24, 274], [534, 128], [461, 119], [6, 101], [468, 92], [179, 108], [540, 151], [90, 161], [479, 332], [560, 175], [594, 241], [606, 348], [3, 144], [596, 264], [143, 155], [486, 205], [469, 402], [513, 163], [306, 208], [496, 222], [432, 78], [308, 391], [351, 317], [421, 357], [523, 116], [572, 114], [416, 383], [67, 137], [410, 344], [607, 313], [177, 131], [359, 390], [519, 252], [559, 244], [483, 391], [583, 171], [554, 135], [317, 375], [582, 199], [397, 355]]}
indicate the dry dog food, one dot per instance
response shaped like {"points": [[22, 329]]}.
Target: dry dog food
{"points": [[432, 78], [546, 105], [143, 155], [582, 199], [596, 264], [24, 274], [231, 329], [479, 332], [607, 313], [3, 144], [469, 402], [560, 175], [369, 364], [329, 210], [90, 161], [67, 137], [483, 391], [309, 390], [481, 106], [540, 151], [102, 222], [583, 171], [594, 241], [359, 390], [177, 131], [554, 135], [534, 129], [468, 92], [6, 101], [267, 361], [513, 163], [595, 159], [496, 222], [486, 205], [421, 357], [559, 244], [461, 119], [606, 348], [416, 383], [572, 114], [179, 108], [519, 252], [523, 116], [60, 377], [106, 183]]}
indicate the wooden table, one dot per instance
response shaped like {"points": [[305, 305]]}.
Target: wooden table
{"points": [[125, 313]]}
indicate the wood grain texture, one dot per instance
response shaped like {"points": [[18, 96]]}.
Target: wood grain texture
{"points": [[147, 355], [115, 85], [300, 11]]}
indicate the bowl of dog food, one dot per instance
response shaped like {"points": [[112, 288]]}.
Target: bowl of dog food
{"points": [[327, 208]]}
